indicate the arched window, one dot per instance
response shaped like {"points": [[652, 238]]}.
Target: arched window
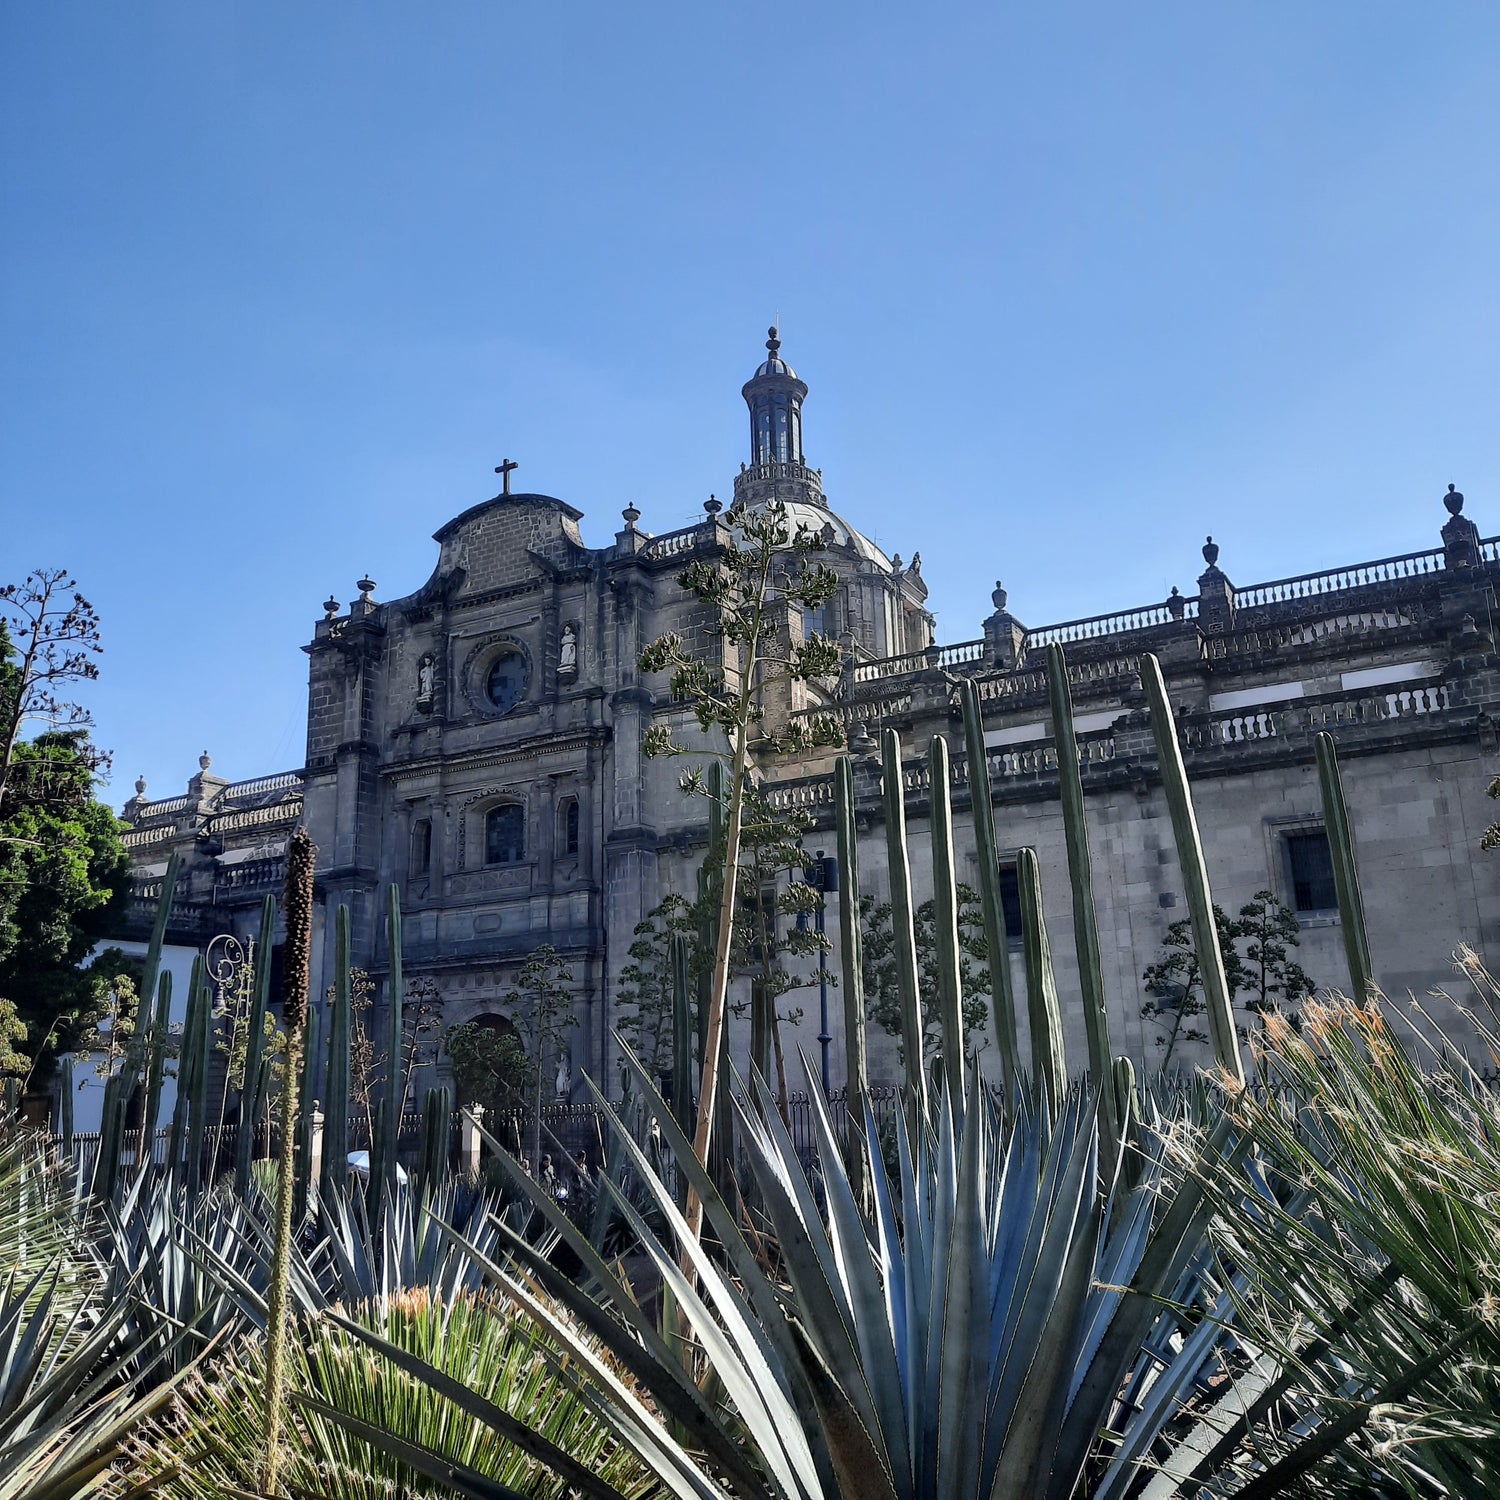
{"points": [[421, 846], [505, 835], [569, 829]]}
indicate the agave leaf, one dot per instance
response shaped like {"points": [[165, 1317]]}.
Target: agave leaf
{"points": [[964, 1347], [490, 1413], [653, 1365], [1031, 1437], [863, 1290], [1163, 1399], [465, 1480]]}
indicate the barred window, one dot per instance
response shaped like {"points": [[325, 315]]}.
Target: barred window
{"points": [[1309, 868], [505, 835]]}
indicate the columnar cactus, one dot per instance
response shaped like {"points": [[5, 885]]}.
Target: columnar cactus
{"points": [[903, 921], [1049, 1067], [252, 1096], [945, 904], [997, 939], [336, 1106], [390, 1119], [852, 986], [1194, 873], [1345, 871]]}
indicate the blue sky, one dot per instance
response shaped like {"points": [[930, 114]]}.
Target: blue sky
{"points": [[1072, 284]]}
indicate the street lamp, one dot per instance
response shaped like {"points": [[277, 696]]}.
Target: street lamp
{"points": [[824, 878]]}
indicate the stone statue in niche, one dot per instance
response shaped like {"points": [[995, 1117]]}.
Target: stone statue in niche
{"points": [[567, 656], [424, 682], [563, 1083]]}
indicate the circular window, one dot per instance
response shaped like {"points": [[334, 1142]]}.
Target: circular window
{"points": [[505, 685]]}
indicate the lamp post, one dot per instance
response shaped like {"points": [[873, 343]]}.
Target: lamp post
{"points": [[824, 878]]}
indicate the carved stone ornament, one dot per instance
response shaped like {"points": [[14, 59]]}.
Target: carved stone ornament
{"points": [[477, 668], [425, 674], [567, 653]]}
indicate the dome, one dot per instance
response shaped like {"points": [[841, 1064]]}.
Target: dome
{"points": [[774, 364], [816, 517]]}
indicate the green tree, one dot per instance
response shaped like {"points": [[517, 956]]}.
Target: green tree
{"points": [[106, 1028], [1260, 971], [644, 995], [877, 950], [765, 563], [1266, 930], [774, 935], [541, 1006], [63, 876], [490, 1066], [62, 866]]}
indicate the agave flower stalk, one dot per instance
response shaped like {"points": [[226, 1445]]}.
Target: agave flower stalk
{"points": [[297, 957]]}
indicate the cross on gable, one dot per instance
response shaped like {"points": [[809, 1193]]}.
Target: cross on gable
{"points": [[503, 469]]}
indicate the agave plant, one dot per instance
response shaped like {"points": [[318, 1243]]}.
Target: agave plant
{"points": [[977, 1332], [1374, 1314], [207, 1444], [67, 1398]]}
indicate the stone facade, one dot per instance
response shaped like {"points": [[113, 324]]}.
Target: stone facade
{"points": [[478, 743]]}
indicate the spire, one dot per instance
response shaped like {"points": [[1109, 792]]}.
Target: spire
{"points": [[775, 395]]}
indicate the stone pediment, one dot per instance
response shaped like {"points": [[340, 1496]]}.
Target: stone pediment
{"points": [[493, 543]]}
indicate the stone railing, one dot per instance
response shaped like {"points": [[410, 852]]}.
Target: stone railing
{"points": [[1272, 721], [140, 837], [260, 786], [1083, 675], [1257, 639], [287, 811], [677, 543], [916, 776], [1337, 580], [1262, 724], [251, 875], [960, 654], [1399, 701], [167, 806], [1092, 627]]}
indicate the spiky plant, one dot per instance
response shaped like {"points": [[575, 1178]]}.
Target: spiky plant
{"points": [[1373, 1314], [343, 1394]]}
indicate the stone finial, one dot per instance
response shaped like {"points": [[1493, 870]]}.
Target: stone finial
{"points": [[773, 340], [1454, 500], [330, 607], [1176, 604], [366, 587], [713, 505], [205, 761], [1211, 552], [140, 788], [632, 515], [896, 564], [860, 742], [999, 596], [827, 534]]}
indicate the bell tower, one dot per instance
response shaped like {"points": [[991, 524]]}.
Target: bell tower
{"points": [[776, 469]]}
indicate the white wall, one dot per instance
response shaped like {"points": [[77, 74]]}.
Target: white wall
{"points": [[88, 1095]]}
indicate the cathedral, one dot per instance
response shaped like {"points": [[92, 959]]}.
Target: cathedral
{"points": [[479, 743]]}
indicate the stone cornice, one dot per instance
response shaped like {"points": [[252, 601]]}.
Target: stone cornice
{"points": [[532, 748]]}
